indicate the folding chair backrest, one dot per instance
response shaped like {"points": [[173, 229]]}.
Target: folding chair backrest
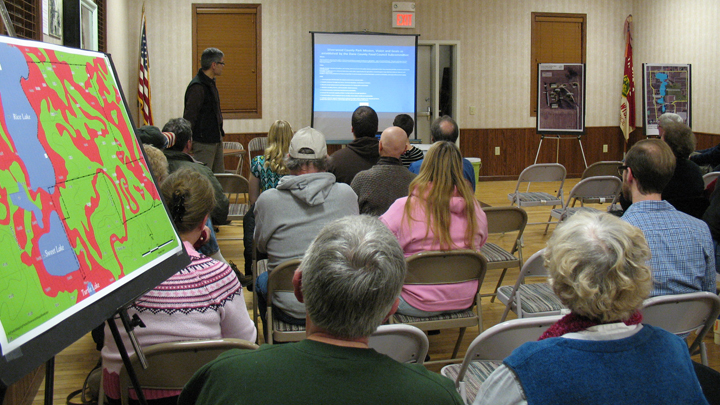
{"points": [[534, 267], [498, 342], [280, 278], [257, 146], [709, 177], [232, 183], [604, 168], [232, 145], [403, 343], [172, 364], [683, 313], [598, 186], [506, 219], [543, 172], [445, 267]]}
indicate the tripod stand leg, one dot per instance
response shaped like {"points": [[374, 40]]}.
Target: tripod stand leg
{"points": [[126, 359], [538, 151], [582, 151]]}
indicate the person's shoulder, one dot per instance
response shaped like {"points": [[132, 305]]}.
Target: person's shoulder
{"points": [[428, 384]]}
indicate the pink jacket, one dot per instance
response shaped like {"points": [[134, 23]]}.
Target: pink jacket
{"points": [[446, 297]]}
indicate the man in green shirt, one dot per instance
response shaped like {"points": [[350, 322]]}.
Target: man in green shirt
{"points": [[349, 280]]}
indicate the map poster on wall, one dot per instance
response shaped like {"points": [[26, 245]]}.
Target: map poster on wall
{"points": [[561, 98], [80, 214], [666, 88]]}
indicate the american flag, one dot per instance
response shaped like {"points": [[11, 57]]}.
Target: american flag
{"points": [[144, 77], [627, 102]]}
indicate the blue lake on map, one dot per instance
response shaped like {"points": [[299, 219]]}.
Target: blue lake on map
{"points": [[21, 199], [663, 85], [21, 121], [57, 254]]}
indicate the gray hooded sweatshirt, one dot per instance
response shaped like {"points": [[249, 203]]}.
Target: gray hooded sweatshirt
{"points": [[289, 217]]}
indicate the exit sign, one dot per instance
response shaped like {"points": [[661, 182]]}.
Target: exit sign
{"points": [[403, 20]]}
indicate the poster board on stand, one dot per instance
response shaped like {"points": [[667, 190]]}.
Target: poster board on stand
{"points": [[561, 98], [666, 88]]}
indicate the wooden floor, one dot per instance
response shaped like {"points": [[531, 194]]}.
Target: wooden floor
{"points": [[73, 364]]}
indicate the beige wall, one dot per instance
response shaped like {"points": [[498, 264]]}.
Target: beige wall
{"points": [[494, 38]]}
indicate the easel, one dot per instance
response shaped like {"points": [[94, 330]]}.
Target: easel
{"points": [[129, 325], [557, 148]]}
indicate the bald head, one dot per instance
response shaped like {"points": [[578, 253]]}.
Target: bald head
{"points": [[393, 142]]}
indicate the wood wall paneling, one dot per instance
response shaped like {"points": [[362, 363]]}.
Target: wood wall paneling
{"points": [[518, 147]]}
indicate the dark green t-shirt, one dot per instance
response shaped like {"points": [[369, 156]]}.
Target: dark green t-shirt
{"points": [[310, 372]]}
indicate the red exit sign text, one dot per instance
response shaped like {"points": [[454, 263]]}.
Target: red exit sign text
{"points": [[403, 20]]}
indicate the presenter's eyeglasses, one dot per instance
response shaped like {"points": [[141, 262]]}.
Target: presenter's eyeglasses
{"points": [[220, 63], [621, 169]]}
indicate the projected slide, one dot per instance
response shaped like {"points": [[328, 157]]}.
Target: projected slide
{"points": [[79, 212], [352, 70]]}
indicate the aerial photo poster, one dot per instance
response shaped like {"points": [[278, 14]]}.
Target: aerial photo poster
{"points": [[80, 214], [666, 88]]}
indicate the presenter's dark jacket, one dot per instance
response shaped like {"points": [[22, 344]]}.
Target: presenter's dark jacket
{"points": [[360, 154], [202, 109]]}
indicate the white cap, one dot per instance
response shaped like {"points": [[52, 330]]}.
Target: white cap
{"points": [[308, 138]]}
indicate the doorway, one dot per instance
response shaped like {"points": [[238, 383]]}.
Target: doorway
{"points": [[437, 83]]}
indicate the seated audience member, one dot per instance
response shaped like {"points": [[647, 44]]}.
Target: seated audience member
{"points": [[378, 187], [440, 213], [686, 189], [290, 215], [413, 153], [600, 353], [202, 301], [665, 119], [349, 280], [712, 219], [683, 258], [362, 152], [178, 156], [265, 173], [445, 129]]}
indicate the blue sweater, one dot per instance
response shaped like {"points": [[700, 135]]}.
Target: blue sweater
{"points": [[468, 170], [651, 367]]}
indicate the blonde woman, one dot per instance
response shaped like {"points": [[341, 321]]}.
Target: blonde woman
{"points": [[265, 173], [440, 213], [600, 353], [266, 170], [202, 301]]}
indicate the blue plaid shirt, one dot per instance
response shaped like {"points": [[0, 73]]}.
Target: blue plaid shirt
{"points": [[683, 256]]}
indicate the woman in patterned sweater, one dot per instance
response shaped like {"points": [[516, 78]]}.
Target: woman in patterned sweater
{"points": [[265, 173], [202, 301]]}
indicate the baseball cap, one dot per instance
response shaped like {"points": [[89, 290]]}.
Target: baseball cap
{"points": [[308, 138]]}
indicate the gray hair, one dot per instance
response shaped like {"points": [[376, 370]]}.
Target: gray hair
{"points": [[598, 265], [667, 118], [294, 164], [351, 275], [182, 130], [209, 56]]}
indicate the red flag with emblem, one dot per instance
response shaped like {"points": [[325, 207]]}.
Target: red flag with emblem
{"points": [[627, 102]]}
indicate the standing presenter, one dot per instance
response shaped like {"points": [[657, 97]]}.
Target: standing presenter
{"points": [[202, 109]]}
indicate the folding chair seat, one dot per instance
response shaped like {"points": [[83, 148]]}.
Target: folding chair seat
{"points": [[502, 220], [170, 365], [539, 173], [487, 351], [448, 267], [404, 343], [530, 300], [682, 314], [280, 280], [600, 188]]}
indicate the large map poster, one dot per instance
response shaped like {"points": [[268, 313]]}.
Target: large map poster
{"points": [[80, 214], [666, 88]]}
